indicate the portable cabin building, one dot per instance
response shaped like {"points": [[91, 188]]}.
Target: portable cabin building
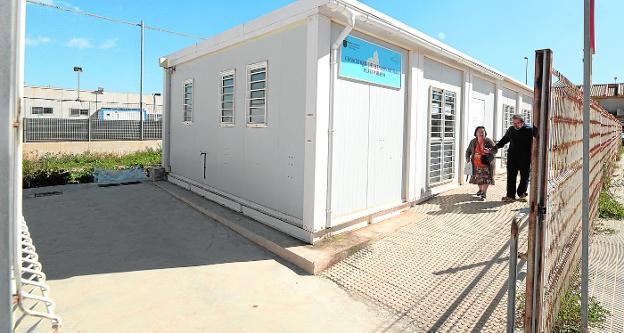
{"points": [[324, 116], [121, 114]]}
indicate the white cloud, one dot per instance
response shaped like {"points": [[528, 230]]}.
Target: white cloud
{"points": [[37, 40], [109, 44], [441, 35], [79, 43]]}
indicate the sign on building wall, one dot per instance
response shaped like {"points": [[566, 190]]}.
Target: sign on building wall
{"points": [[368, 62]]}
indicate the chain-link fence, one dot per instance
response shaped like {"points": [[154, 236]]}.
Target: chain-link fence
{"points": [[563, 222], [49, 120], [555, 221]]}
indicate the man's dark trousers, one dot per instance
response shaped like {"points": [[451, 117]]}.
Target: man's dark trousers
{"points": [[512, 174]]}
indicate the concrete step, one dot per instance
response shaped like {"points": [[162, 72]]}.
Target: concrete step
{"points": [[313, 259]]}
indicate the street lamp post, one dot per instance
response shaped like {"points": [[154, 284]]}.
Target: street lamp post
{"points": [[97, 92], [526, 70], [78, 70]]}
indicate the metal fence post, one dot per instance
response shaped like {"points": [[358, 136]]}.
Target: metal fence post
{"points": [[539, 182], [511, 282], [141, 82], [585, 228], [89, 120], [11, 90]]}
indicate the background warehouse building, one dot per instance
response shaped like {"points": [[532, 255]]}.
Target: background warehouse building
{"points": [[324, 116]]}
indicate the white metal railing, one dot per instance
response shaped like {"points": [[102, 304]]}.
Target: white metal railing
{"points": [[30, 280]]}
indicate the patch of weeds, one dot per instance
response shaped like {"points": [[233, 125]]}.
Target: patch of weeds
{"points": [[60, 169], [601, 229], [520, 307], [569, 316], [609, 207]]}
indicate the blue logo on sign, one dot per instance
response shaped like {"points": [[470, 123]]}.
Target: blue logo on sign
{"points": [[368, 62]]}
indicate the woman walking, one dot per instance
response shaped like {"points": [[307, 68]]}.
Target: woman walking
{"points": [[480, 153]]}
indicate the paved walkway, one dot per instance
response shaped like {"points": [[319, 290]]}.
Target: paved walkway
{"points": [[446, 273], [606, 263], [606, 274]]}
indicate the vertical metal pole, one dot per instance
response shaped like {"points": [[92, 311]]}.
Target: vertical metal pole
{"points": [[78, 88], [166, 119], [89, 118], [511, 282], [526, 70], [539, 178], [141, 80], [11, 88], [587, 63]]}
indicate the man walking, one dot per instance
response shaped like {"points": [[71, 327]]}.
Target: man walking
{"points": [[520, 138]]}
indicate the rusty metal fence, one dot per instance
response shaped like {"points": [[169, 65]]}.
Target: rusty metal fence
{"points": [[555, 219]]}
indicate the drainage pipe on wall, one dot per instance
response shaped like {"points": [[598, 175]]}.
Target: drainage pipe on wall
{"points": [[351, 18], [166, 131]]}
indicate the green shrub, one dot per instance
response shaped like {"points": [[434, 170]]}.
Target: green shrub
{"points": [[609, 207], [60, 169], [569, 316]]}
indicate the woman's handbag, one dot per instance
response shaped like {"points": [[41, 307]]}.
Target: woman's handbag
{"points": [[468, 169]]}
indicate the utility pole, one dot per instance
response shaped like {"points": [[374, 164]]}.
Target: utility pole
{"points": [[526, 70], [97, 92], [587, 69], [78, 70], [141, 81]]}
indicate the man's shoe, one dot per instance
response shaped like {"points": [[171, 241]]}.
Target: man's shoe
{"points": [[508, 199], [522, 197]]}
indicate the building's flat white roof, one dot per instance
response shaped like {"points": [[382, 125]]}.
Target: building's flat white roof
{"points": [[301, 9]]}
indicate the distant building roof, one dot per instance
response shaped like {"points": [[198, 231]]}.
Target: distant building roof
{"points": [[607, 90], [122, 109]]}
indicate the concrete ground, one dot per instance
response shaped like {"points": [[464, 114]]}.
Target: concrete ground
{"points": [[445, 273], [134, 259], [606, 262]]}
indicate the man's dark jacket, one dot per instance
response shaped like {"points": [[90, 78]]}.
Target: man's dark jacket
{"points": [[520, 141]]}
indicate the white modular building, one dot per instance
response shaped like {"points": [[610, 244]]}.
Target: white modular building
{"points": [[327, 115]]}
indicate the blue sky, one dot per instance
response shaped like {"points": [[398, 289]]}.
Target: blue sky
{"points": [[498, 33]]}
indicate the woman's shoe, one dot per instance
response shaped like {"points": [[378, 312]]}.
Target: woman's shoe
{"points": [[483, 196], [478, 194]]}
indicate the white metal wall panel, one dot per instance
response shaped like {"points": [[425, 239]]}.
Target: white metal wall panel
{"points": [[483, 93], [367, 166], [439, 73], [261, 165], [385, 145], [350, 152], [509, 97]]}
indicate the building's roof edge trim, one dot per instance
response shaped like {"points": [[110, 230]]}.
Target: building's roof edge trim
{"points": [[299, 10]]}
